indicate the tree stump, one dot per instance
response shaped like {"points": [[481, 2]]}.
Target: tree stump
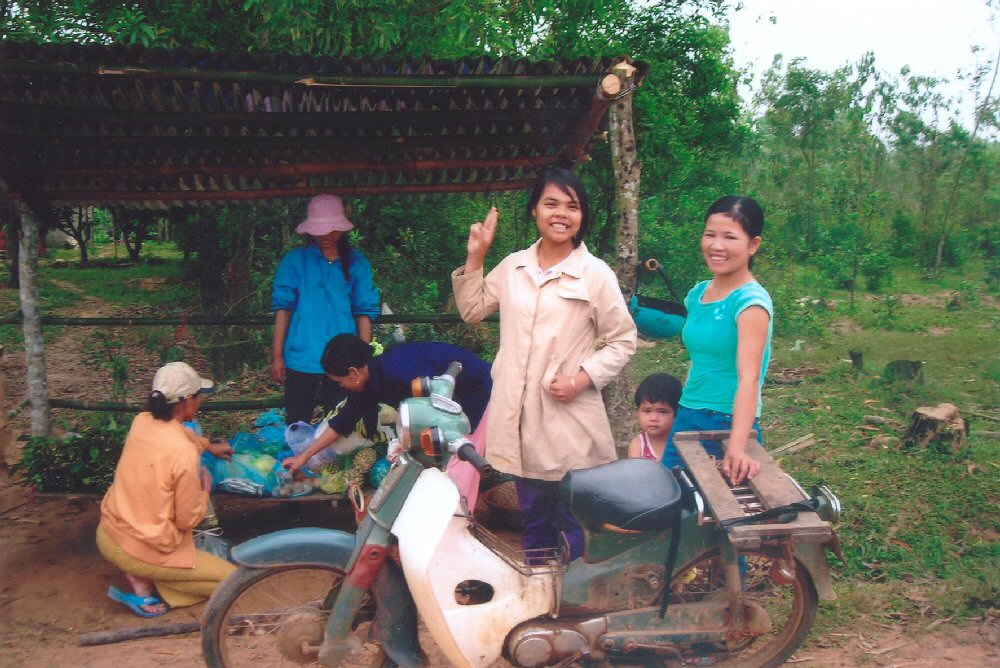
{"points": [[907, 371], [940, 427]]}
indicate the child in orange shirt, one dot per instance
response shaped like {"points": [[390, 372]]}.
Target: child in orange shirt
{"points": [[656, 402]]}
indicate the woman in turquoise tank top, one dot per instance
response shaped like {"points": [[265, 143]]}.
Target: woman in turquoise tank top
{"points": [[728, 336]]}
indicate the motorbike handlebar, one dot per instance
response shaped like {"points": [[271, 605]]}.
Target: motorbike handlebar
{"points": [[467, 453]]}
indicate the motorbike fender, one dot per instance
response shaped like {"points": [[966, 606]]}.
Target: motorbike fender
{"points": [[307, 546], [438, 553], [813, 557], [395, 626]]}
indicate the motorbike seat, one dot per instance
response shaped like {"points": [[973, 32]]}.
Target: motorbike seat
{"points": [[633, 494]]}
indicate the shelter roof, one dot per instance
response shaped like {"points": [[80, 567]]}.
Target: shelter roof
{"points": [[154, 128]]}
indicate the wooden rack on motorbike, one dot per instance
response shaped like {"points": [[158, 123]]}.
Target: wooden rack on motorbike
{"points": [[770, 488]]}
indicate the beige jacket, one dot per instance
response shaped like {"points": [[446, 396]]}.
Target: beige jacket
{"points": [[578, 320], [157, 499]]}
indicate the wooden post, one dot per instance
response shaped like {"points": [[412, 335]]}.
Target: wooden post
{"points": [[626, 169], [5, 429], [34, 343]]}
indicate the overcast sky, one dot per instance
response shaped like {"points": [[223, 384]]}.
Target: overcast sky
{"points": [[933, 37]]}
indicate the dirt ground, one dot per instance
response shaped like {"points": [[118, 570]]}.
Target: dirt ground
{"points": [[53, 584], [53, 581]]}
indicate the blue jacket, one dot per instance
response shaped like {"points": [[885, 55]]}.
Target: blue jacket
{"points": [[322, 302]]}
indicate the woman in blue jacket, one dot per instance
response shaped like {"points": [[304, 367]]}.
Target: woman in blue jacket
{"points": [[320, 290]]}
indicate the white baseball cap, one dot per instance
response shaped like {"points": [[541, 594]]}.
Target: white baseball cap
{"points": [[177, 381]]}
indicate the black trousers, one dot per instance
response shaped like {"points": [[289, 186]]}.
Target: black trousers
{"points": [[305, 391]]}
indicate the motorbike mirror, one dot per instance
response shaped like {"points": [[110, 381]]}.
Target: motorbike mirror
{"points": [[829, 504]]}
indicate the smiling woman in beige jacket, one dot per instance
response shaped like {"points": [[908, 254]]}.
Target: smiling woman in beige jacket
{"points": [[565, 332]]}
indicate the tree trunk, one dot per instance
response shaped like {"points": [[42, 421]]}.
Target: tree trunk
{"points": [[34, 343], [12, 228], [209, 263], [627, 169], [943, 238]]}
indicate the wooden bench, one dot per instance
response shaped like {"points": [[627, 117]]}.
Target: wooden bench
{"points": [[771, 487]]}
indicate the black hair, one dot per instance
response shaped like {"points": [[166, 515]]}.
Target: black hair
{"points": [[744, 210], [659, 387], [343, 252], [158, 406], [345, 351], [569, 183]]}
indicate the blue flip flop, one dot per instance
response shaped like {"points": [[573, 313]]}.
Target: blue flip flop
{"points": [[135, 602]]}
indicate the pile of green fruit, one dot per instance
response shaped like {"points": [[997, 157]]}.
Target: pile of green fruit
{"points": [[350, 469]]}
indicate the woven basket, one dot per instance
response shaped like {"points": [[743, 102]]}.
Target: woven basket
{"points": [[505, 511]]}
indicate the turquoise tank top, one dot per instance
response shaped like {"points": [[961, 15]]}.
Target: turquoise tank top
{"points": [[710, 336]]}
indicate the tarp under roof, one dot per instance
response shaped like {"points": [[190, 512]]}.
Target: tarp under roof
{"points": [[154, 128]]}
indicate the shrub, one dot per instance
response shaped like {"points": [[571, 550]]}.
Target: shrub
{"points": [[82, 462], [876, 267]]}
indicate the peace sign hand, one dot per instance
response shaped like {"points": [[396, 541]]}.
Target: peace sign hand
{"points": [[481, 237]]}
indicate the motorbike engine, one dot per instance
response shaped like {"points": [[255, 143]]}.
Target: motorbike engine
{"points": [[543, 643]]}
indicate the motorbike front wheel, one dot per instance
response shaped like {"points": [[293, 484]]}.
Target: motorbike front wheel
{"points": [[782, 606], [276, 617]]}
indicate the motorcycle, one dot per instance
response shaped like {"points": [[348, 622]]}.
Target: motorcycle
{"points": [[660, 582]]}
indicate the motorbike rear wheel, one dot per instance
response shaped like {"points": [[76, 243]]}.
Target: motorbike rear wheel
{"points": [[789, 603], [275, 617]]}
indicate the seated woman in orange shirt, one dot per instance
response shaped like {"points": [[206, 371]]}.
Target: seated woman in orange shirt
{"points": [[159, 495]]}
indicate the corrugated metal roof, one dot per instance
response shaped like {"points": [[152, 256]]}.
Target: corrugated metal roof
{"points": [[157, 128]]}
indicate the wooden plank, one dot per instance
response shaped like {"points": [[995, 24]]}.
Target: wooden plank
{"points": [[807, 528], [713, 487], [771, 485], [800, 443]]}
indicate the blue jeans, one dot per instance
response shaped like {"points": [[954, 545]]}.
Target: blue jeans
{"points": [[700, 419]]}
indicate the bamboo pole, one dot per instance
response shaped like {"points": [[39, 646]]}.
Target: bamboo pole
{"points": [[295, 170], [34, 343], [5, 428], [132, 407], [58, 68], [521, 142], [427, 120], [201, 320], [120, 197], [138, 633]]}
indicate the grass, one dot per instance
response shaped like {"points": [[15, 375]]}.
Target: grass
{"points": [[920, 531]]}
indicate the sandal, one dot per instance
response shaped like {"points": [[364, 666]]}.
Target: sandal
{"points": [[135, 602]]}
